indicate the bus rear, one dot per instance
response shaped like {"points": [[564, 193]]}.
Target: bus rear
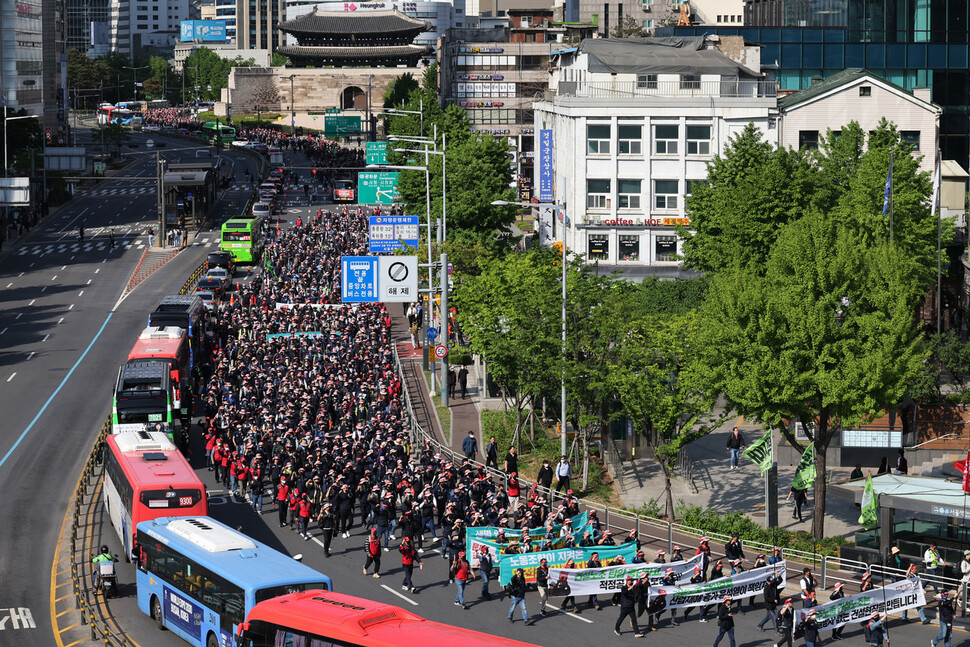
{"points": [[145, 477], [199, 578], [242, 239], [185, 311], [169, 345], [144, 400], [328, 618]]}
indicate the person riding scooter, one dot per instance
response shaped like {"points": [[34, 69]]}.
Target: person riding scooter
{"points": [[104, 557]]}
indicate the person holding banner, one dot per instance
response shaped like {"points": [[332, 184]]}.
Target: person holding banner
{"points": [[837, 595], [570, 601], [876, 630], [772, 599], [945, 614], [810, 627], [628, 601], [594, 562], [696, 578], [913, 576], [725, 620]]}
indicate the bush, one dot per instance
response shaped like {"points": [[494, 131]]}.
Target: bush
{"points": [[749, 530], [461, 355]]}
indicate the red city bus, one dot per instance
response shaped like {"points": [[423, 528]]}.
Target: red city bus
{"points": [[324, 618], [170, 345], [146, 477]]}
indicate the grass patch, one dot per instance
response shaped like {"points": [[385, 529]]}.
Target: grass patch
{"points": [[546, 445]]}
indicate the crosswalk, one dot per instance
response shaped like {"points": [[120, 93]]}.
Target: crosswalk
{"points": [[74, 247], [129, 190]]}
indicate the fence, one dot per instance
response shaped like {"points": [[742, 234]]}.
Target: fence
{"points": [[91, 612], [646, 87]]}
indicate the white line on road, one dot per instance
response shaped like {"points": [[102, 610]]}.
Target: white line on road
{"points": [[12, 375], [63, 267], [80, 293], [97, 270], [43, 288], [31, 302], [89, 281], [572, 615], [9, 284], [19, 314], [3, 331], [60, 320], [45, 338], [400, 595], [71, 307], [31, 355], [31, 265], [54, 278], [21, 274]]}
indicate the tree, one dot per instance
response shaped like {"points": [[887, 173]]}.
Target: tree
{"points": [[115, 134], [212, 74], [629, 27], [656, 378], [752, 191], [825, 334], [278, 60], [152, 87]]}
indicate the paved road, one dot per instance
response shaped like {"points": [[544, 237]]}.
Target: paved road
{"points": [[61, 341]]}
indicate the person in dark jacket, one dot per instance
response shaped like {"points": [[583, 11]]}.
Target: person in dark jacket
{"points": [[735, 443], [544, 477], [628, 602], [771, 602], [408, 557], [327, 523], [696, 578], [945, 614], [542, 585], [593, 562], [485, 568], [837, 594], [810, 627], [732, 549], [725, 620], [517, 594], [786, 618], [877, 631], [470, 446]]}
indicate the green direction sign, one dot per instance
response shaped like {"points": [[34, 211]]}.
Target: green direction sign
{"points": [[333, 111], [377, 188], [377, 152], [341, 125]]}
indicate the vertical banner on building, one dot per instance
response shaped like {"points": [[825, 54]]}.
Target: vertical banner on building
{"points": [[545, 165], [545, 225]]}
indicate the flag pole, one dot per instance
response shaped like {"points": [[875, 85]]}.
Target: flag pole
{"points": [[939, 245]]}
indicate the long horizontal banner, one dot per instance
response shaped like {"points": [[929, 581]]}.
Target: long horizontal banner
{"points": [[905, 594], [610, 579], [741, 585], [558, 558], [496, 550], [490, 532], [477, 537]]}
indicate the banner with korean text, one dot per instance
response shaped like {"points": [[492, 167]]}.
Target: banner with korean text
{"points": [[558, 558], [898, 596], [610, 579], [741, 585]]}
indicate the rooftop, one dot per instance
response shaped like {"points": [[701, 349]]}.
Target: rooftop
{"points": [[657, 55], [356, 23], [845, 77]]}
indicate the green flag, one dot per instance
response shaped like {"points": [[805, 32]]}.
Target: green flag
{"points": [[870, 506], [805, 472], [759, 453]]}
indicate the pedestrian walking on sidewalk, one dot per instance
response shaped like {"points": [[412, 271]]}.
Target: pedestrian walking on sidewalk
{"points": [[151, 237], [735, 444], [463, 381], [491, 453], [469, 445], [563, 473]]}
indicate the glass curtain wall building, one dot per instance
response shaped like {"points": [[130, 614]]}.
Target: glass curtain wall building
{"points": [[912, 43]]}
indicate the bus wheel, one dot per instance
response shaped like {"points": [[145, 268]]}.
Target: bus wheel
{"points": [[157, 613], [212, 641]]}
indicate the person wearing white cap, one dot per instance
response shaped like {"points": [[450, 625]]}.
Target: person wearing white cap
{"points": [[837, 594], [876, 629], [965, 577], [725, 622], [810, 626]]}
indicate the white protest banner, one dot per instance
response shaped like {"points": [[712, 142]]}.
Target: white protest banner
{"points": [[592, 581], [741, 585], [898, 596]]}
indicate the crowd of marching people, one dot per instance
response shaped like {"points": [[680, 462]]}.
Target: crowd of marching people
{"points": [[303, 413]]}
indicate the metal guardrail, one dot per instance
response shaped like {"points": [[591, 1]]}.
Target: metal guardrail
{"points": [[193, 279], [685, 467], [90, 611]]}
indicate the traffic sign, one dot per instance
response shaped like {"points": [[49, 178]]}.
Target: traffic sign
{"points": [[341, 124], [377, 188], [432, 333], [388, 233], [358, 279], [398, 279], [377, 152], [440, 351]]}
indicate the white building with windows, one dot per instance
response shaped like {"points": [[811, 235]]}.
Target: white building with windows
{"points": [[633, 124], [141, 27]]}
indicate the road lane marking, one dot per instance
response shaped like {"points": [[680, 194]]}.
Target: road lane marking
{"points": [[572, 615], [71, 307], [29, 304], [80, 293], [9, 284], [60, 320], [54, 278], [400, 595], [19, 314], [12, 375], [30, 356], [33, 422], [89, 281], [3, 331], [21, 274], [45, 338], [63, 267], [98, 270]]}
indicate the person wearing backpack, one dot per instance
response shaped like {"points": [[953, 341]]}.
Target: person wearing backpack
{"points": [[786, 619], [485, 568], [945, 614], [372, 547]]}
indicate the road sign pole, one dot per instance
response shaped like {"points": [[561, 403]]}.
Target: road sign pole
{"points": [[445, 376]]}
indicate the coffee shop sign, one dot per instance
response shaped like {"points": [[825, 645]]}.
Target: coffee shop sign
{"points": [[647, 222]]}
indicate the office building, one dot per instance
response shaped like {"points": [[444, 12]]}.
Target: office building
{"points": [[141, 28]]}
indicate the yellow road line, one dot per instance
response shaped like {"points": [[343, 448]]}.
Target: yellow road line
{"points": [[76, 624], [76, 642], [64, 597], [57, 560], [58, 615]]}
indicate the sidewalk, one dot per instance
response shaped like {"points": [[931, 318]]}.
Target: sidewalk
{"points": [[726, 490]]}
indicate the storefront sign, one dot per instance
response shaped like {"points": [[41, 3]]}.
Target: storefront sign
{"points": [[646, 222], [619, 222], [480, 50], [480, 104], [480, 77], [495, 131]]}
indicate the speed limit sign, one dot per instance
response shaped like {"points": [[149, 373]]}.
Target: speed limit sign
{"points": [[440, 351]]}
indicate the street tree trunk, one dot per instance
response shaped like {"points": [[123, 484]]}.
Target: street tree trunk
{"points": [[668, 492], [822, 438]]}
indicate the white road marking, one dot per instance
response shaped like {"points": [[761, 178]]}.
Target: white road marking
{"points": [[31, 355], [9, 284], [19, 314], [12, 375], [54, 278], [45, 338], [71, 307], [3, 331], [31, 302], [31, 265], [43, 289], [98, 270], [400, 595], [63, 267], [60, 320], [80, 293], [572, 615], [21, 274], [89, 281]]}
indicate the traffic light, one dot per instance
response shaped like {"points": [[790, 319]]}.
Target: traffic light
{"points": [[314, 171], [48, 137]]}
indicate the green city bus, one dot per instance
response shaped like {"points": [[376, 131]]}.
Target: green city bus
{"points": [[214, 131], [243, 238]]}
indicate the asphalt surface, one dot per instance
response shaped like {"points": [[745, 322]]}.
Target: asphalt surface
{"points": [[57, 363], [61, 341]]}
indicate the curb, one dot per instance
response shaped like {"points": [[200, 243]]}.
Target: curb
{"points": [[135, 279]]}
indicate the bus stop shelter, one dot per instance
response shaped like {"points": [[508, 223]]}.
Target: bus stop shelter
{"points": [[189, 195], [943, 505]]}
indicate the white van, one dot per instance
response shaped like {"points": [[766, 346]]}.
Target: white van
{"points": [[262, 210]]}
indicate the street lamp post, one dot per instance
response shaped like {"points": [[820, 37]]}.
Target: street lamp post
{"points": [[292, 104], [134, 86], [556, 207], [410, 112]]}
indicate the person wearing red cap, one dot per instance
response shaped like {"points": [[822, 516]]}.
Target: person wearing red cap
{"points": [[696, 578], [408, 557], [628, 600], [810, 627], [725, 622], [786, 619], [704, 548], [837, 594], [542, 585], [462, 573]]}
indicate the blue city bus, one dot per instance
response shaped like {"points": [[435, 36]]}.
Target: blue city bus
{"points": [[199, 578]]}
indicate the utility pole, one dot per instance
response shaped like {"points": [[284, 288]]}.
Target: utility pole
{"points": [[445, 377], [160, 169]]}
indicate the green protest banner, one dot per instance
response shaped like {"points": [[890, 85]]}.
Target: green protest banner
{"points": [[558, 558], [870, 505], [760, 452], [805, 472]]}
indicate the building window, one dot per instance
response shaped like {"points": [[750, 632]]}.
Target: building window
{"points": [[719, 18], [598, 139], [598, 247], [629, 247], [910, 137], [693, 185], [646, 81], [665, 194], [665, 248], [807, 139], [628, 194], [630, 139], [865, 91], [665, 139], [690, 82], [598, 194], [698, 140], [526, 21], [646, 24]]}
